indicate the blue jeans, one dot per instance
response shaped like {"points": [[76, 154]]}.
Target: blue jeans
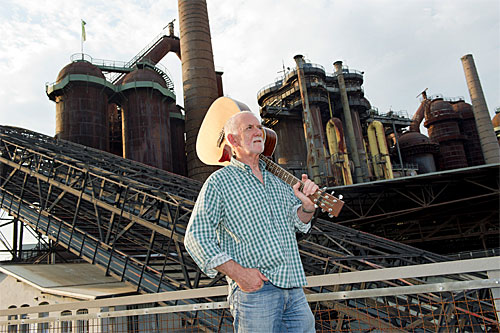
{"points": [[271, 309]]}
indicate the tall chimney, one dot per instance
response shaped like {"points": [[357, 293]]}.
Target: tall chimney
{"points": [[198, 77], [485, 130], [314, 145], [349, 123]]}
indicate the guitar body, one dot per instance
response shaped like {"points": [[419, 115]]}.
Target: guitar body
{"points": [[270, 143], [212, 149]]}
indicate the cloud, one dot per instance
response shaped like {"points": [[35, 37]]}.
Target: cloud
{"points": [[403, 47]]}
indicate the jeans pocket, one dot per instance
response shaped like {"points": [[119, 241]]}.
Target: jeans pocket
{"points": [[255, 291]]}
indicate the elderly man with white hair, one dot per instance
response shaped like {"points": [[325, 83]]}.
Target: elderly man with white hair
{"points": [[243, 225]]}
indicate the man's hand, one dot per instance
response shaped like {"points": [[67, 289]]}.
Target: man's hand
{"points": [[251, 279], [307, 209], [309, 188], [248, 279]]}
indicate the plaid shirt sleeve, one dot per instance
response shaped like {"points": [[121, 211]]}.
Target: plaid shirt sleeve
{"points": [[201, 239], [298, 224]]}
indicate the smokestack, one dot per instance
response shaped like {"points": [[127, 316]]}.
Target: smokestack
{"points": [[314, 148], [485, 130], [351, 137], [198, 77]]}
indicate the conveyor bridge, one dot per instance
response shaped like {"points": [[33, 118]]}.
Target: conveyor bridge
{"points": [[129, 219]]}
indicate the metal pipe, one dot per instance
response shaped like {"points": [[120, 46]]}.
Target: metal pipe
{"points": [[314, 152], [485, 130], [397, 146], [198, 76], [380, 153], [418, 116], [349, 123], [374, 152], [15, 237], [125, 135], [336, 144]]}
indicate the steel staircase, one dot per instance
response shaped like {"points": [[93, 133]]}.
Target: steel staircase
{"points": [[141, 55]]}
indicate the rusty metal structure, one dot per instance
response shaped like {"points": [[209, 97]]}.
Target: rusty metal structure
{"points": [[129, 219], [81, 105], [145, 119], [418, 149], [128, 112], [198, 76], [338, 98], [451, 126], [313, 129], [468, 128], [353, 132], [442, 124], [429, 209]]}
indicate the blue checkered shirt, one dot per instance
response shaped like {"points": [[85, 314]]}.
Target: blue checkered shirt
{"points": [[237, 217]]}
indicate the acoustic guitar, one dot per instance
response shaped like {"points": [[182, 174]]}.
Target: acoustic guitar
{"points": [[212, 149]]}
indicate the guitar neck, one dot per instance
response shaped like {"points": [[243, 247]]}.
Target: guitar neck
{"points": [[286, 176], [327, 202]]}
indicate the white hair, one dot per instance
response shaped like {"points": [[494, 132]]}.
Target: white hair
{"points": [[231, 126]]}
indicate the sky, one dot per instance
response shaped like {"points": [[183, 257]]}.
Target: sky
{"points": [[402, 46]]}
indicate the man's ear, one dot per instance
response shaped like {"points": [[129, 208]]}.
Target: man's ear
{"points": [[233, 140]]}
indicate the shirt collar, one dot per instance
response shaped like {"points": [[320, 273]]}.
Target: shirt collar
{"points": [[243, 166]]}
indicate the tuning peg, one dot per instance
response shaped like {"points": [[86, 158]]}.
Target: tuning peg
{"points": [[324, 189], [322, 210], [341, 196], [332, 192], [329, 209], [330, 215], [315, 206]]}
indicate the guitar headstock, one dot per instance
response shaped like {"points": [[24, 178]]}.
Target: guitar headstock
{"points": [[328, 203]]}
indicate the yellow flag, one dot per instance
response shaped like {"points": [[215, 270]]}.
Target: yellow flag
{"points": [[84, 35]]}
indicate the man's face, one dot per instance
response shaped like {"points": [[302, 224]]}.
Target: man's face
{"points": [[250, 138]]}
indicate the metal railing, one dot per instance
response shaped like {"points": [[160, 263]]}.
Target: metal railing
{"points": [[98, 62], [120, 66], [278, 82], [459, 296]]}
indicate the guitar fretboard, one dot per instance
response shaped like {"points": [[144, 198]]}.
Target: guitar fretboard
{"points": [[323, 200], [278, 171]]}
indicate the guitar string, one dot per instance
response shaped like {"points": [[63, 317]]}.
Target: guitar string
{"points": [[321, 197]]}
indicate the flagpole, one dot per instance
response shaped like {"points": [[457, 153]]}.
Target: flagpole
{"points": [[84, 36]]}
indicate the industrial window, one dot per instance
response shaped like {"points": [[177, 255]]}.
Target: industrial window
{"points": [[82, 326], [43, 327], [24, 328], [66, 325], [12, 328]]}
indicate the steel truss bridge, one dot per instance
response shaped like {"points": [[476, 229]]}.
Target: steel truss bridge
{"points": [[129, 219]]}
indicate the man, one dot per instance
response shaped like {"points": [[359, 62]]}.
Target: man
{"points": [[243, 225]]}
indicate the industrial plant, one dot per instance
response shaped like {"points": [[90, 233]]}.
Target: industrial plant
{"points": [[108, 198]]}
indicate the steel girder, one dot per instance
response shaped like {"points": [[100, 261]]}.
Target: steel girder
{"points": [[443, 212]]}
